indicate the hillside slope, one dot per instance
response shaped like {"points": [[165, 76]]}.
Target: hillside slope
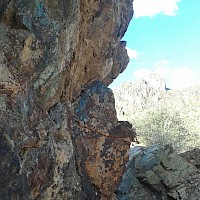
{"points": [[148, 100]]}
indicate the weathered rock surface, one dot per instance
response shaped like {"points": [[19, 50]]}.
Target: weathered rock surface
{"points": [[101, 141], [159, 173], [59, 134], [192, 156]]}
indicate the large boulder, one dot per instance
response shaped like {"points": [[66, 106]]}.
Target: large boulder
{"points": [[156, 173]]}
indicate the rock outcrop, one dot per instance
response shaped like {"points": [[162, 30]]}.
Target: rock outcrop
{"points": [[135, 96], [192, 156], [60, 138], [59, 133], [159, 173]]}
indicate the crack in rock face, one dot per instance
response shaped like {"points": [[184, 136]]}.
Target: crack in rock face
{"points": [[60, 137]]}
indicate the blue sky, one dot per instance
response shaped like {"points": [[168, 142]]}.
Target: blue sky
{"points": [[164, 37]]}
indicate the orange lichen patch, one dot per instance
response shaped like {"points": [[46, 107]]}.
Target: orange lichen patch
{"points": [[107, 154], [93, 161], [31, 53], [12, 87], [7, 82], [106, 163]]}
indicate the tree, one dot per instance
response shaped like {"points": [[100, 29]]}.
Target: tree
{"points": [[162, 126]]}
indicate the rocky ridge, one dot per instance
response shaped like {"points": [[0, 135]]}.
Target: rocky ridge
{"points": [[149, 100], [134, 97]]}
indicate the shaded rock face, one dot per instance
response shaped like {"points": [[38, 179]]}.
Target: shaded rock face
{"points": [[101, 141], [159, 173], [192, 156], [59, 134]]}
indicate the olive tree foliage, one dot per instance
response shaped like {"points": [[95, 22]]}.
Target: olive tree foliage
{"points": [[165, 126]]}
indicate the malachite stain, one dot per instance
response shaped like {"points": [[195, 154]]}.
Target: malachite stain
{"points": [[40, 10]]}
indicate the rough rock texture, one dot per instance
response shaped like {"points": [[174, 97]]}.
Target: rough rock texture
{"points": [[192, 157], [157, 173], [134, 97], [59, 134]]}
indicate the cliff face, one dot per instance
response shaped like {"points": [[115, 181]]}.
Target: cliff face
{"points": [[134, 97], [59, 134]]}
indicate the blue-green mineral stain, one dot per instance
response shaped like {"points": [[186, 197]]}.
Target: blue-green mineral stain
{"points": [[97, 88], [100, 89], [40, 10], [41, 15], [81, 107]]}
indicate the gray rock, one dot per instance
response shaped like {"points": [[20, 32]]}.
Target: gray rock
{"points": [[159, 173]]}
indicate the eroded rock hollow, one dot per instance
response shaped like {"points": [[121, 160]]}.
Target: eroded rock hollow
{"points": [[59, 134]]}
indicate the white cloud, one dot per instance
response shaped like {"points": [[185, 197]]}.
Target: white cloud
{"points": [[163, 71], [161, 63], [176, 78], [142, 73], [151, 8], [162, 68], [133, 54], [184, 77]]}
